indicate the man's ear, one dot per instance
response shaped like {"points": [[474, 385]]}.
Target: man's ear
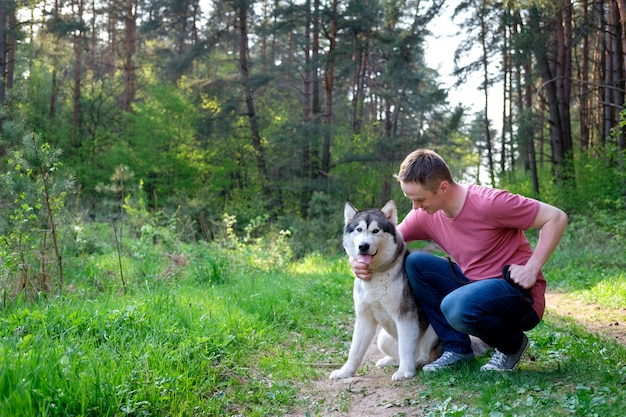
{"points": [[443, 186]]}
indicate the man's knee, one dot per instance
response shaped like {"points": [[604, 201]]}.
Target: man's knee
{"points": [[456, 313], [450, 309], [418, 260]]}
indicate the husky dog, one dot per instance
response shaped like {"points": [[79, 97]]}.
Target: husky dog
{"points": [[405, 337]]}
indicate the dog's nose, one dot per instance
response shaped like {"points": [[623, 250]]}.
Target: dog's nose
{"points": [[364, 247]]}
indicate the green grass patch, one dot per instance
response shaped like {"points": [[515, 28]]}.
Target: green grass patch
{"points": [[206, 332], [187, 347], [590, 263], [571, 373]]}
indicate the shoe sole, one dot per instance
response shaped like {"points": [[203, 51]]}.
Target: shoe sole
{"points": [[425, 368]]}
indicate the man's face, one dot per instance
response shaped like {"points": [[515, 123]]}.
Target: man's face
{"points": [[422, 198]]}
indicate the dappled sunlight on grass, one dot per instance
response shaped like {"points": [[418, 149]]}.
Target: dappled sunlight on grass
{"points": [[610, 292], [319, 264]]}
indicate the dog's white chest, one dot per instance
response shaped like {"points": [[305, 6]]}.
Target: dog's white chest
{"points": [[381, 297]]}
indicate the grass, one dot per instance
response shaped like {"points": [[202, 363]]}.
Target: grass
{"points": [[219, 337], [182, 347], [572, 373], [590, 263]]}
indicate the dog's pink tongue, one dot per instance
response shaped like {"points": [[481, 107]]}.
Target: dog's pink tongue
{"points": [[366, 259]]}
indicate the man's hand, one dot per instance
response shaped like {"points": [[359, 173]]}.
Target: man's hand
{"points": [[523, 275], [360, 269]]}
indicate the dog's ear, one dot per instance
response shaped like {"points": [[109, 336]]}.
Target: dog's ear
{"points": [[349, 212], [390, 211]]}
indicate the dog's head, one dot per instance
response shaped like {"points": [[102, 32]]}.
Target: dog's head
{"points": [[370, 236]]}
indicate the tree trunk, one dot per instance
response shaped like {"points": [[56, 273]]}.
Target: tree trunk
{"points": [[315, 57], [554, 61], [621, 6], [599, 76], [53, 97], [585, 93], [241, 10], [520, 70], [507, 89], [78, 52], [112, 41], [518, 73], [361, 60], [529, 131], [4, 45], [564, 80], [618, 83], [486, 82], [4, 17], [307, 112], [93, 38], [329, 83], [12, 44], [54, 89], [195, 38], [265, 33], [130, 25]]}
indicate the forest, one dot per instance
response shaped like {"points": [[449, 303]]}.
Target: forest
{"points": [[206, 118]]}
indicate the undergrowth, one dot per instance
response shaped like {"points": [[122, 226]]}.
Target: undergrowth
{"points": [[187, 346], [221, 330], [589, 262]]}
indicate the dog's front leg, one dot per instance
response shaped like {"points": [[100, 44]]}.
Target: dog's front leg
{"points": [[408, 334], [364, 331]]}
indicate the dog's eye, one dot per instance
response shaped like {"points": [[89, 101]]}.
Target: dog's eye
{"points": [[359, 229], [375, 231]]}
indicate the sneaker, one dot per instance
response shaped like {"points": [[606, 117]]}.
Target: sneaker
{"points": [[505, 361], [447, 360]]}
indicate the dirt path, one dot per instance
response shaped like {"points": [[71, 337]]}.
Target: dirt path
{"points": [[608, 322], [373, 394]]}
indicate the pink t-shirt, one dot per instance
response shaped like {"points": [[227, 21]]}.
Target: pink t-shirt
{"points": [[486, 234]]}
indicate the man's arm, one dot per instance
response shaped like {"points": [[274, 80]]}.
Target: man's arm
{"points": [[552, 223]]}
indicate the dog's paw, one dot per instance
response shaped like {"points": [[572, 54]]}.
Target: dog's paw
{"points": [[340, 374], [402, 375], [386, 361]]}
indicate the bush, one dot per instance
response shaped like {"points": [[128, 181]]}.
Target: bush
{"points": [[596, 184], [320, 232]]}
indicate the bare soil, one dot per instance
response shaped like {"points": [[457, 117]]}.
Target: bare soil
{"points": [[603, 321], [373, 394]]}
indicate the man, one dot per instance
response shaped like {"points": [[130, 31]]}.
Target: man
{"points": [[482, 230]]}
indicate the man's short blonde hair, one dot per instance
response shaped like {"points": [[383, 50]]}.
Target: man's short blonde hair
{"points": [[425, 167]]}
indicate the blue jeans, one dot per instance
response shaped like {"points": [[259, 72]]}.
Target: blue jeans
{"points": [[490, 309]]}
